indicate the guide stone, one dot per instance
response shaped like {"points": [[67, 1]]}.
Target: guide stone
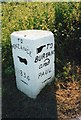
{"points": [[33, 56]]}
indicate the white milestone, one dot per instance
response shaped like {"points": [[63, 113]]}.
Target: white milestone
{"points": [[33, 56]]}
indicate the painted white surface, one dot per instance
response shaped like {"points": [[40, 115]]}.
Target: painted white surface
{"points": [[36, 49]]}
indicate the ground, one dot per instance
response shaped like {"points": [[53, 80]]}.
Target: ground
{"points": [[50, 103], [15, 104]]}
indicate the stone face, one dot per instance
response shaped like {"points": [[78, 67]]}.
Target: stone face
{"points": [[33, 55]]}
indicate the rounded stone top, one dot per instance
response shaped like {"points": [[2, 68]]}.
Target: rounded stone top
{"points": [[32, 34]]}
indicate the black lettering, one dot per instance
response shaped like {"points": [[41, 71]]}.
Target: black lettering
{"points": [[25, 35], [49, 70], [52, 52], [39, 58], [21, 73], [20, 40], [44, 73], [36, 59], [49, 45], [47, 54], [40, 66], [39, 75], [21, 47], [28, 52], [46, 62], [15, 46], [28, 78], [18, 46], [43, 55], [24, 75]]}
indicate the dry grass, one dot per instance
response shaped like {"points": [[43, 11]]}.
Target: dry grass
{"points": [[69, 101]]}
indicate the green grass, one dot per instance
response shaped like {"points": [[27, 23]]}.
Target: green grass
{"points": [[63, 19]]}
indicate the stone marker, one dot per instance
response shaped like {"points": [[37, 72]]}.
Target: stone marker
{"points": [[33, 54]]}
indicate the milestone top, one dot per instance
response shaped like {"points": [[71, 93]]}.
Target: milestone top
{"points": [[32, 34]]}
